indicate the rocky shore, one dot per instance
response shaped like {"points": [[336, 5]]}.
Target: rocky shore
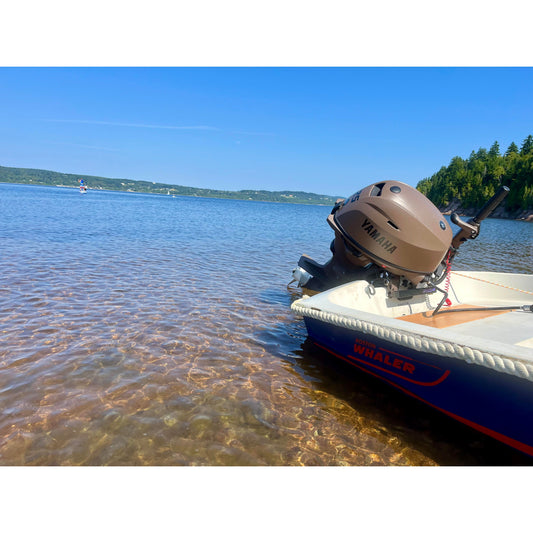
{"points": [[499, 212]]}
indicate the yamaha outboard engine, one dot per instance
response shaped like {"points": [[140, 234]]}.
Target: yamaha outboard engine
{"points": [[391, 235]]}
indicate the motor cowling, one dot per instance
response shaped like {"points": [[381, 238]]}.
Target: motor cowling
{"points": [[393, 225], [388, 228]]}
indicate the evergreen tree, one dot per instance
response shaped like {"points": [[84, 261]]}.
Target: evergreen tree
{"points": [[494, 150], [482, 154], [527, 145], [475, 180], [513, 149]]}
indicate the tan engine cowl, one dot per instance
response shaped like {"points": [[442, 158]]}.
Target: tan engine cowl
{"points": [[394, 226]]}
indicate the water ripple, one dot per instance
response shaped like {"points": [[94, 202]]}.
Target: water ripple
{"points": [[141, 330]]}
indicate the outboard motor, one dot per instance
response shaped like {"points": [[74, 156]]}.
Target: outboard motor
{"points": [[391, 235]]}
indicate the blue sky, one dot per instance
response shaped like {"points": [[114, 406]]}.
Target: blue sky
{"points": [[325, 130]]}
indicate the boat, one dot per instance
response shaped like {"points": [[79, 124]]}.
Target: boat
{"points": [[83, 187], [459, 341]]}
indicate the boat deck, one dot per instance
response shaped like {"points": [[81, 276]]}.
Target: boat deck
{"points": [[512, 327], [447, 319]]}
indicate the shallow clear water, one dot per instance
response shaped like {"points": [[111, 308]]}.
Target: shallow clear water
{"points": [[152, 330]]}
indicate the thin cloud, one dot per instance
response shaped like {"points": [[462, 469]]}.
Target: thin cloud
{"points": [[257, 133], [158, 126], [89, 146], [133, 125]]}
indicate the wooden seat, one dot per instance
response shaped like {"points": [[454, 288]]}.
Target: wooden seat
{"points": [[446, 320]]}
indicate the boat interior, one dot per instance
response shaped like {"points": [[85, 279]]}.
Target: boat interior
{"points": [[471, 297]]}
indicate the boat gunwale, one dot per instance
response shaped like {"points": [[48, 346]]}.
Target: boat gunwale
{"points": [[501, 357]]}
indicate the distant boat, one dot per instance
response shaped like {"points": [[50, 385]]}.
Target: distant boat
{"points": [[83, 187]]}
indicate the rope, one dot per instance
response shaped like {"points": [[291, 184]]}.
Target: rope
{"points": [[500, 363], [448, 302], [493, 283]]}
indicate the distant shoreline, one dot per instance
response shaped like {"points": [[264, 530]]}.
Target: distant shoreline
{"points": [[47, 178], [525, 215], [101, 189], [28, 176]]}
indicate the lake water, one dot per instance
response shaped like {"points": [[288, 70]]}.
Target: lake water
{"points": [[156, 330]]}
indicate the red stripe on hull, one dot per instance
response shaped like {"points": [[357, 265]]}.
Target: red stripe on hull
{"points": [[525, 448]]}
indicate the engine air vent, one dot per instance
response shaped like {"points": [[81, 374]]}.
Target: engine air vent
{"points": [[376, 190]]}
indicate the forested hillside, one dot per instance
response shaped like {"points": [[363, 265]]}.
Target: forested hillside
{"points": [[58, 179], [468, 183], [474, 180]]}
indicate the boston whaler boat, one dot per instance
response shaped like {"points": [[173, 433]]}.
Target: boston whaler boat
{"points": [[388, 303]]}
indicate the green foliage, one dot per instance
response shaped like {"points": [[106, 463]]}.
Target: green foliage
{"points": [[494, 150], [46, 177], [527, 145], [513, 149], [474, 180]]}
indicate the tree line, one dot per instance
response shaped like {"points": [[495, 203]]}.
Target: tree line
{"points": [[474, 180], [59, 179]]}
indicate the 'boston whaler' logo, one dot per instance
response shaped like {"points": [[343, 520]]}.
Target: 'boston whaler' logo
{"points": [[376, 235], [395, 364]]}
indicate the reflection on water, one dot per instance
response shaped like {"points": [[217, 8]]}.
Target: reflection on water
{"points": [[141, 330]]}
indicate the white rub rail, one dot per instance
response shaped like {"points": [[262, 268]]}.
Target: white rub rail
{"points": [[421, 343]]}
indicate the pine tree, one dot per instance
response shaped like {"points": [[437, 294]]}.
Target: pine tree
{"points": [[474, 180], [494, 150], [527, 145], [513, 149]]}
